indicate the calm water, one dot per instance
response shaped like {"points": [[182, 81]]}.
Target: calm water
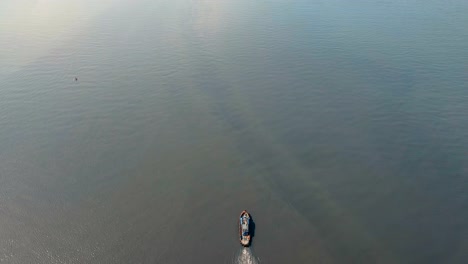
{"points": [[342, 126]]}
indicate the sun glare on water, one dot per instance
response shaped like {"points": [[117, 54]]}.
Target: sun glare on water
{"points": [[31, 29]]}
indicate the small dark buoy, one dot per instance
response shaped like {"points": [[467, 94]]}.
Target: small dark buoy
{"points": [[76, 79]]}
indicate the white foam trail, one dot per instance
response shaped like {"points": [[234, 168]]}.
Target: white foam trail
{"points": [[245, 256]]}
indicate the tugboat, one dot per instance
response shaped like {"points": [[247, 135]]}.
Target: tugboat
{"points": [[244, 232]]}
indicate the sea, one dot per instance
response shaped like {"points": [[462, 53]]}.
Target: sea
{"points": [[136, 131]]}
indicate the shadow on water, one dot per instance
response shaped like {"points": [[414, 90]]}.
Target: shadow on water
{"points": [[245, 256], [251, 229]]}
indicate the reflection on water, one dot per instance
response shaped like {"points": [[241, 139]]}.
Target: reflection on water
{"points": [[245, 256]]}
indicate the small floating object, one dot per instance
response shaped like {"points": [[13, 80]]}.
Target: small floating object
{"points": [[76, 79], [244, 228]]}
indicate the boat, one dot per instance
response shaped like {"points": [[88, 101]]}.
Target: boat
{"points": [[244, 231]]}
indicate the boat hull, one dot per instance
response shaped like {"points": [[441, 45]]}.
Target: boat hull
{"points": [[244, 228]]}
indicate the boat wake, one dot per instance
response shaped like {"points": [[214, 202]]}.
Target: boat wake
{"points": [[245, 256]]}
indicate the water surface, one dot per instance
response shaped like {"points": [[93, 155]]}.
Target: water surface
{"points": [[342, 126]]}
